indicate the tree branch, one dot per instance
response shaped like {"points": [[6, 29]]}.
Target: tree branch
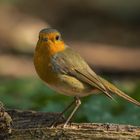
{"points": [[35, 125]]}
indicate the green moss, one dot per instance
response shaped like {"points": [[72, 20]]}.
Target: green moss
{"points": [[29, 93]]}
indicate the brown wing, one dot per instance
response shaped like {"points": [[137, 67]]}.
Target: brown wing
{"points": [[78, 68]]}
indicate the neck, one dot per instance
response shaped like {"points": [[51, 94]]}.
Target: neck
{"points": [[50, 48]]}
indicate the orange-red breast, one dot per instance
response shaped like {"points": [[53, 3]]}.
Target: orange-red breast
{"points": [[65, 70]]}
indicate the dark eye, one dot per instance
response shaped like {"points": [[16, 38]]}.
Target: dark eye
{"points": [[58, 37], [45, 39]]}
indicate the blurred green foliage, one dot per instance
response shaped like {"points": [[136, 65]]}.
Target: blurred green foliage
{"points": [[29, 93]]}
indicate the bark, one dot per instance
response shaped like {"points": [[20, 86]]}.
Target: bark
{"points": [[35, 125]]}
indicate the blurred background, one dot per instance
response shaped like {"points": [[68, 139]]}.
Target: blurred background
{"points": [[105, 33]]}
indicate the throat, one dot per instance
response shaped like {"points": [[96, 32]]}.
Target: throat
{"points": [[56, 48]]}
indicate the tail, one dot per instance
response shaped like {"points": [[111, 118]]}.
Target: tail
{"points": [[111, 88]]}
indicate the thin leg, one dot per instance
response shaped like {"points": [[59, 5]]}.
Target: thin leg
{"points": [[78, 102], [55, 121]]}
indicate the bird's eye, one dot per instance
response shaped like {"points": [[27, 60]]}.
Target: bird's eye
{"points": [[45, 39], [58, 37]]}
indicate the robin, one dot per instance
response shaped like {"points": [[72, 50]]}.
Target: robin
{"points": [[65, 71]]}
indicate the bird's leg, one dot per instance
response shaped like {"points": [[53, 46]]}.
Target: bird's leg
{"points": [[56, 120], [77, 102]]}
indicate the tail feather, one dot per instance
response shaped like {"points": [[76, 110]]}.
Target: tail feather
{"points": [[111, 88]]}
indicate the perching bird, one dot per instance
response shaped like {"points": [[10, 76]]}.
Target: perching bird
{"points": [[67, 72]]}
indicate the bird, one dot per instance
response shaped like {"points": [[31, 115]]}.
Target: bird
{"points": [[65, 71]]}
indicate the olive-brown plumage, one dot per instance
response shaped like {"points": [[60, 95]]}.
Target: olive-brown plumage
{"points": [[65, 70]]}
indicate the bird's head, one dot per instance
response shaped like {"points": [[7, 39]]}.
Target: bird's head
{"points": [[51, 41]]}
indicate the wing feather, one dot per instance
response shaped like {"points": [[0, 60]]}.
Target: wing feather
{"points": [[78, 68]]}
